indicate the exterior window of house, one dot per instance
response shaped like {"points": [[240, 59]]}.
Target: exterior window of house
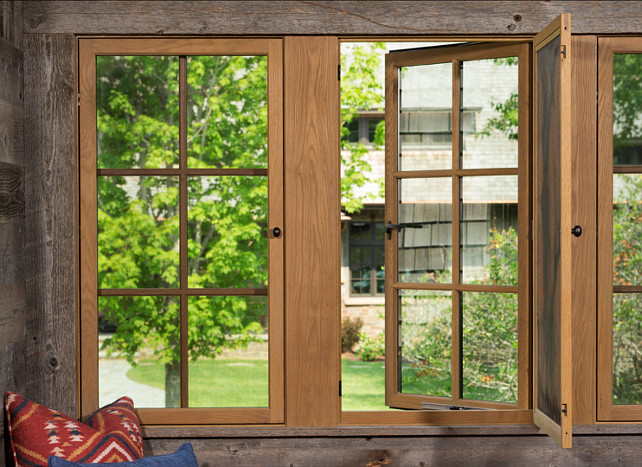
{"points": [[181, 168], [366, 258], [364, 128]]}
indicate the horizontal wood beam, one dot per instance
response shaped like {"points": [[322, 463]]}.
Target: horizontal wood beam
{"points": [[326, 17]]}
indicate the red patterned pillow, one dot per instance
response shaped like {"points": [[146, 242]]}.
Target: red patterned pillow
{"points": [[111, 434]]}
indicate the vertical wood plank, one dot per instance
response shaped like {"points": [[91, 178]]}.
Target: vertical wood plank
{"points": [[51, 220], [457, 152], [312, 231], [12, 23], [584, 109]]}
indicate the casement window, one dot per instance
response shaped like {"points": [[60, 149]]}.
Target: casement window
{"points": [[182, 241], [181, 172], [619, 197]]}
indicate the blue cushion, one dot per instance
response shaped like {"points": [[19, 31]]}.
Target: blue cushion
{"points": [[183, 457]]}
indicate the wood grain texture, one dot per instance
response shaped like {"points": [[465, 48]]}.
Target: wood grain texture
{"points": [[536, 449], [12, 201], [11, 74], [12, 23], [312, 231], [325, 17], [50, 221], [584, 78]]}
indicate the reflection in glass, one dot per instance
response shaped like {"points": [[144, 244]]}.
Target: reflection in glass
{"points": [[627, 229], [227, 231], [489, 113], [627, 109], [137, 232], [227, 111], [489, 230], [228, 351], [424, 244], [134, 130], [139, 350], [627, 352], [426, 342], [489, 346], [425, 117]]}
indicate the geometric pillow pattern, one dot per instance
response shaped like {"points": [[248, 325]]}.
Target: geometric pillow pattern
{"points": [[183, 457], [111, 434]]}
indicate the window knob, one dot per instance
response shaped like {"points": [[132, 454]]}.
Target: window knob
{"points": [[276, 232]]}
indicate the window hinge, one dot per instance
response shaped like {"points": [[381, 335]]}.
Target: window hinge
{"points": [[564, 409], [340, 389], [563, 51], [78, 99], [339, 72]]}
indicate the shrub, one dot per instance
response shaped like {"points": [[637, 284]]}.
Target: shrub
{"points": [[350, 329], [371, 348]]}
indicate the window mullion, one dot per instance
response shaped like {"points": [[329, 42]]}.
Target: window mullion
{"points": [[182, 148]]}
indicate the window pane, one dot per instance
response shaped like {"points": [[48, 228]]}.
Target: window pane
{"points": [[627, 352], [489, 353], [139, 350], [134, 130], [425, 348], [424, 253], [490, 111], [627, 101], [360, 230], [379, 268], [227, 232], [228, 351], [425, 117], [361, 269], [137, 232], [489, 230], [627, 229], [227, 111]]}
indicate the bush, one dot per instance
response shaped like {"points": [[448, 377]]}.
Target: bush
{"points": [[350, 329], [371, 348]]}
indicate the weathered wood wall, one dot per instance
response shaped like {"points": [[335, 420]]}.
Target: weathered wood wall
{"points": [[40, 253], [13, 315]]}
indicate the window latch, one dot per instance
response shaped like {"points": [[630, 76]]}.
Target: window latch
{"points": [[404, 225]]}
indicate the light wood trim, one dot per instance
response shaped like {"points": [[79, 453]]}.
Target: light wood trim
{"points": [[183, 219], [88, 232], [456, 366], [627, 169], [186, 171], [174, 46], [416, 402], [584, 248], [606, 410], [439, 417], [276, 247], [560, 27], [312, 233], [458, 172], [627, 288], [177, 292], [524, 234], [204, 416]]}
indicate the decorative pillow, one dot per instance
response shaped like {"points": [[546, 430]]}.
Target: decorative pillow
{"points": [[111, 434], [183, 457]]}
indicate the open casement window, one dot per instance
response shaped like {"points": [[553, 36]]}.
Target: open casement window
{"points": [[181, 175], [457, 227], [553, 231], [619, 227]]}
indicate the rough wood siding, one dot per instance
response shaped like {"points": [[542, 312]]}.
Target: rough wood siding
{"points": [[50, 216], [11, 14], [326, 17], [12, 223], [407, 450]]}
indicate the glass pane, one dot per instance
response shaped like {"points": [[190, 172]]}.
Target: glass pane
{"points": [[627, 229], [489, 113], [424, 253], [489, 346], [380, 272], [360, 230], [227, 232], [228, 351], [137, 112], [361, 269], [627, 352], [627, 102], [426, 342], [139, 351], [138, 232], [227, 111], [548, 211], [425, 117], [488, 233]]}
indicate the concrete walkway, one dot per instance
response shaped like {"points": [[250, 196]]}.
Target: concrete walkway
{"points": [[114, 384]]}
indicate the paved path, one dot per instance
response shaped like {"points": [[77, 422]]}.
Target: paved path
{"points": [[115, 384]]}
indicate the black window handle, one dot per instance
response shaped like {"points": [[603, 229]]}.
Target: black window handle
{"points": [[276, 232], [404, 225]]}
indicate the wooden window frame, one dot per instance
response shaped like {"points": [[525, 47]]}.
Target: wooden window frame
{"points": [[88, 50], [606, 409]]}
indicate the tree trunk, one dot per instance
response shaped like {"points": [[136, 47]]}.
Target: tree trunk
{"points": [[173, 384]]}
